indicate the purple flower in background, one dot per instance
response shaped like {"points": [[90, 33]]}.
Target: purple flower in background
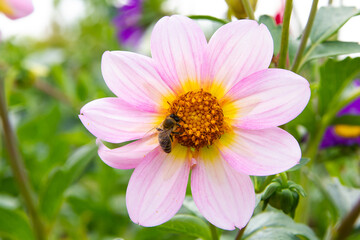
{"points": [[344, 134], [127, 22]]}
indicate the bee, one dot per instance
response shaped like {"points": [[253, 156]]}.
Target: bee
{"points": [[166, 130]]}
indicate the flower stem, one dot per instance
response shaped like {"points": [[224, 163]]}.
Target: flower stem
{"points": [[213, 231], [53, 92], [347, 224], [18, 169], [265, 183], [285, 34], [240, 233], [314, 142], [284, 179], [248, 9], [305, 36]]}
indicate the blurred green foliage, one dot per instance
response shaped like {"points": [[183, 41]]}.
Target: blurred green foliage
{"points": [[47, 80]]}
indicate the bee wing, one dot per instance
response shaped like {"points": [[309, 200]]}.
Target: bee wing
{"points": [[153, 131], [167, 131]]}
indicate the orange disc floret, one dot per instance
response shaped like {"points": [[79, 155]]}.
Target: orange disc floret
{"points": [[202, 119]]}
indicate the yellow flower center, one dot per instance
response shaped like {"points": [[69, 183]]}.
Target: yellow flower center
{"points": [[202, 119], [5, 8], [347, 131]]}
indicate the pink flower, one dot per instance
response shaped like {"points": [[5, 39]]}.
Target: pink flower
{"points": [[230, 104], [279, 16], [16, 8]]}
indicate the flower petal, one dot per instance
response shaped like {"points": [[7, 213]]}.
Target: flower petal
{"points": [[113, 120], [157, 187], [225, 197], [130, 155], [133, 78], [177, 46], [15, 9], [235, 51], [266, 99], [260, 152]]}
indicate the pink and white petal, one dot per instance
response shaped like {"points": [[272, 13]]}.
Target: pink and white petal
{"points": [[260, 152], [113, 120], [225, 197], [130, 155], [133, 78], [18, 8], [177, 46], [235, 51], [157, 187], [267, 98]]}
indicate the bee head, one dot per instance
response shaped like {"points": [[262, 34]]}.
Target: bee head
{"points": [[175, 117]]}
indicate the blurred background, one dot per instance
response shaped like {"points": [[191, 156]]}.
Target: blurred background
{"points": [[50, 64]]}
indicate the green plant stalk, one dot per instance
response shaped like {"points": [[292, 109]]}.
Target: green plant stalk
{"points": [[240, 233], [313, 147], [18, 168], [347, 224], [248, 9], [314, 142], [304, 37], [309, 51], [53, 92], [284, 179], [285, 34], [265, 183], [213, 230]]}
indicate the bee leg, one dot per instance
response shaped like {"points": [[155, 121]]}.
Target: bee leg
{"points": [[171, 137], [177, 132], [178, 125], [159, 129]]}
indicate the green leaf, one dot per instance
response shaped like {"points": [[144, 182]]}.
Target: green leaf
{"points": [[329, 20], [273, 187], [14, 224], [344, 198], [347, 120], [276, 225], [273, 234], [274, 29], [334, 77], [302, 162], [334, 48], [210, 18], [297, 188], [62, 178], [187, 224]]}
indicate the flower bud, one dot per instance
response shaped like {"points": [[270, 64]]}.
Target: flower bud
{"points": [[237, 9], [270, 190], [283, 198]]}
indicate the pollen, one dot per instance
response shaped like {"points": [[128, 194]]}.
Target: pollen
{"points": [[202, 119]]}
